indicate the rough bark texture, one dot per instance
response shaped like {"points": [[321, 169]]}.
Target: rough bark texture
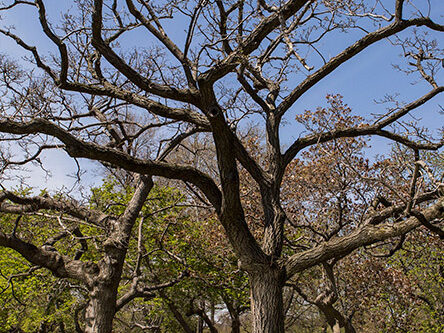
{"points": [[267, 301], [99, 313]]}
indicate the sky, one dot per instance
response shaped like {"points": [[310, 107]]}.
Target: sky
{"points": [[362, 80]]}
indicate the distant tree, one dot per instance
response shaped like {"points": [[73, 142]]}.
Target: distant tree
{"points": [[34, 300], [399, 293], [368, 290], [129, 108]]}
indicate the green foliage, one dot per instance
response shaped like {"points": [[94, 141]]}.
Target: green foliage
{"points": [[38, 298], [173, 239], [30, 296], [422, 262]]}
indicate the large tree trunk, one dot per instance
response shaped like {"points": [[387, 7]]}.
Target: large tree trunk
{"points": [[267, 301], [100, 311]]}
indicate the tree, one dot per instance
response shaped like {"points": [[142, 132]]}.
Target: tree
{"points": [[332, 183], [32, 299], [240, 60], [64, 299]]}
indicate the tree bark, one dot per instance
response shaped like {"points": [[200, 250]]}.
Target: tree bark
{"points": [[267, 300], [100, 311]]}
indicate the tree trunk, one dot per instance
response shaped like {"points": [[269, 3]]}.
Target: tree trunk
{"points": [[100, 311], [267, 300], [235, 324]]}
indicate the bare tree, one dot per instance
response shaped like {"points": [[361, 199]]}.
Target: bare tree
{"points": [[240, 59]]}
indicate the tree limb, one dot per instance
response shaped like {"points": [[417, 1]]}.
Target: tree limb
{"points": [[79, 148], [33, 204], [350, 52], [59, 265], [366, 235]]}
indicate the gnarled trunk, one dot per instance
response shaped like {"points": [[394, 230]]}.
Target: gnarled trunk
{"points": [[267, 300]]}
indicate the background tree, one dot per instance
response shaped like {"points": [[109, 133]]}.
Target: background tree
{"points": [[70, 236], [165, 242], [240, 60]]}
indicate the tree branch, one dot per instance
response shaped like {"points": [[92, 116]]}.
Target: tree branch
{"points": [[33, 204], [375, 129], [59, 265], [81, 149], [350, 52], [138, 290], [165, 40], [252, 41], [366, 235], [108, 53]]}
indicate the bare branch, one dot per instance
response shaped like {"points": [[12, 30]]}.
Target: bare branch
{"points": [[164, 39], [350, 52], [33, 204], [141, 82], [78, 148], [375, 129]]}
